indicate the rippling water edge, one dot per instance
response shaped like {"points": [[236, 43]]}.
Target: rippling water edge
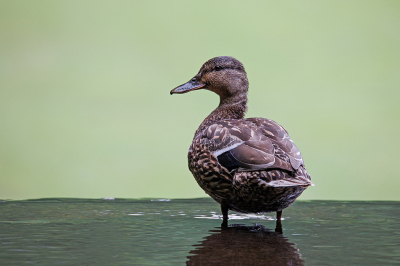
{"points": [[187, 231]]}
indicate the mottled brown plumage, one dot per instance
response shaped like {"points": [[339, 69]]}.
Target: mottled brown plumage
{"points": [[246, 165]]}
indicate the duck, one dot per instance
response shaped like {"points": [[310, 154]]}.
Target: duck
{"points": [[247, 165]]}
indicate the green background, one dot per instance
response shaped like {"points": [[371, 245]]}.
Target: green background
{"points": [[85, 109]]}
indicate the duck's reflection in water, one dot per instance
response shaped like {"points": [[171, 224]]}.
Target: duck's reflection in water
{"points": [[245, 245]]}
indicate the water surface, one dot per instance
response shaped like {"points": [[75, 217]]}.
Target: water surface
{"points": [[179, 232]]}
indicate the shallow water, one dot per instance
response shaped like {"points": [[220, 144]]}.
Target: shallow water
{"points": [[179, 232]]}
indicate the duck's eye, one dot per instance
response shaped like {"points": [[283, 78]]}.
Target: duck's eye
{"points": [[217, 67]]}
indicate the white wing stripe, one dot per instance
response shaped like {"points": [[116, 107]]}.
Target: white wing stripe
{"points": [[225, 149]]}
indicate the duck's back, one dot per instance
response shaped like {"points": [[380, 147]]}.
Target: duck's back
{"points": [[251, 164]]}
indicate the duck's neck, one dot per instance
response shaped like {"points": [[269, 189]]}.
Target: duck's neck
{"points": [[233, 107]]}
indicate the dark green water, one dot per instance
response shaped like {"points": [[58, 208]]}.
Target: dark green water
{"points": [[179, 232]]}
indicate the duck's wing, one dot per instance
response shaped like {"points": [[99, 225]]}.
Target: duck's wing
{"points": [[280, 137], [244, 145]]}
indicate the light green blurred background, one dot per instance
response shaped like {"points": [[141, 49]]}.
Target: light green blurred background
{"points": [[85, 109]]}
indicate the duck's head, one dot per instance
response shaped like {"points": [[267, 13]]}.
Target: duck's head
{"points": [[223, 75]]}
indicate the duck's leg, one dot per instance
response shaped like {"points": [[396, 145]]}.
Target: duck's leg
{"points": [[278, 215], [224, 210], [278, 227]]}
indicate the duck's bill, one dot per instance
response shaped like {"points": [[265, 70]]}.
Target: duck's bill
{"points": [[189, 86]]}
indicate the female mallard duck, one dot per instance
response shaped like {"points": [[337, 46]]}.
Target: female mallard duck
{"points": [[247, 165]]}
